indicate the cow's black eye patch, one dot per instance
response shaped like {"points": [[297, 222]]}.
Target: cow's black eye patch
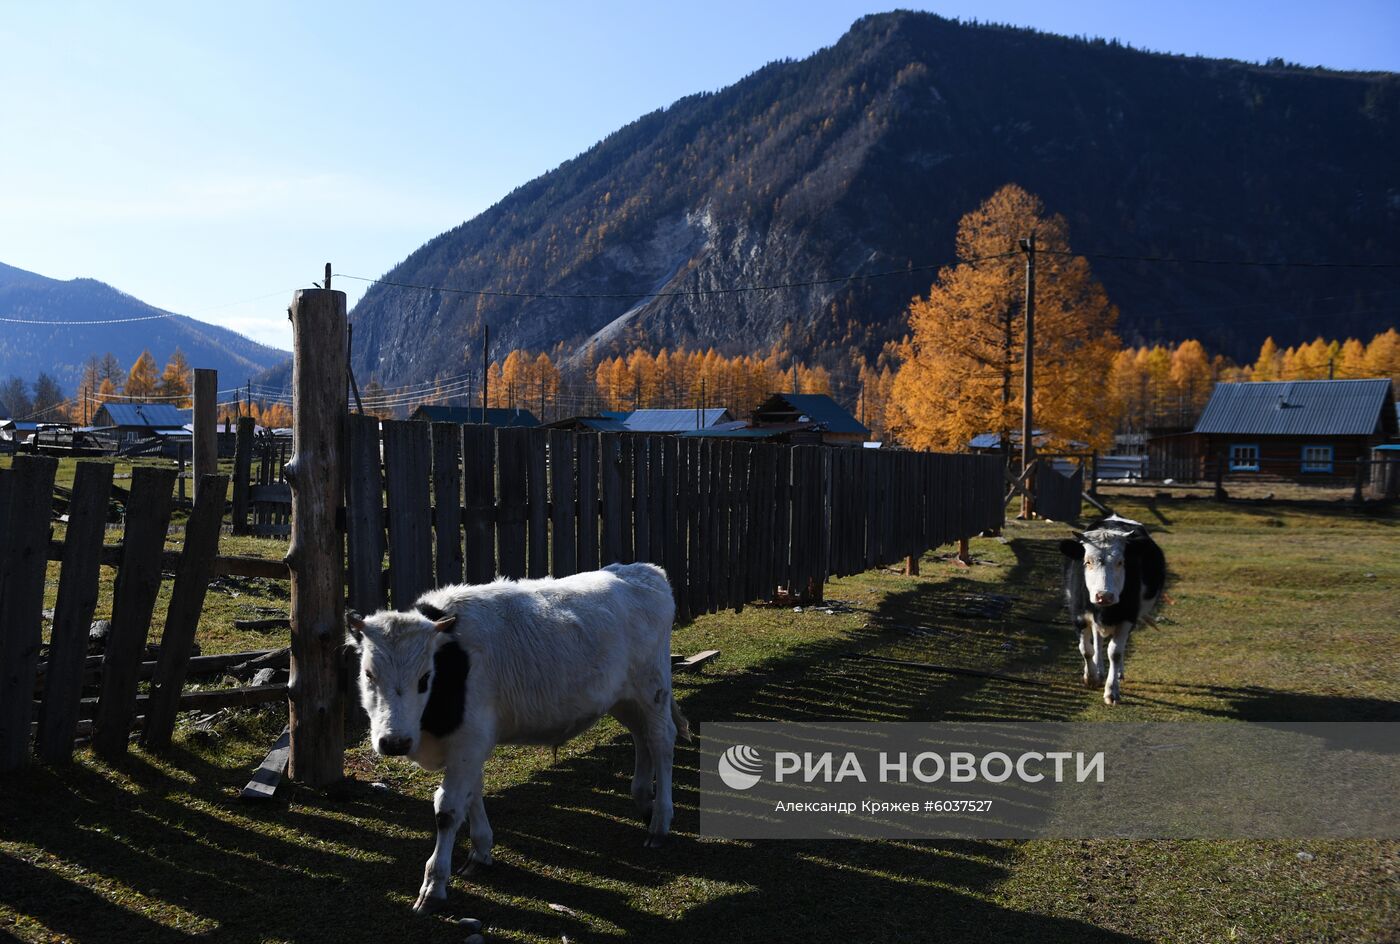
{"points": [[423, 684]]}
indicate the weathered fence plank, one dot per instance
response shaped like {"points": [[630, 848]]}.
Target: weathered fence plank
{"points": [[673, 510], [479, 465], [587, 502], [563, 510], [73, 610], [134, 599], [242, 470], [538, 487], [447, 502], [641, 502], [610, 460], [407, 455], [511, 520], [186, 604], [206, 425], [23, 559], [656, 496], [364, 514]]}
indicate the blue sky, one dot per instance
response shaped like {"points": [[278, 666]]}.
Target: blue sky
{"points": [[201, 155]]}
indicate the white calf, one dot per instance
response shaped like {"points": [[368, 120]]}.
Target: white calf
{"points": [[528, 662]]}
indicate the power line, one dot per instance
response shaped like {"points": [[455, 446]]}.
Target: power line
{"points": [[1278, 264], [673, 293]]}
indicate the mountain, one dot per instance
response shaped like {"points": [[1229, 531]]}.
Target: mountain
{"points": [[863, 157], [61, 350]]}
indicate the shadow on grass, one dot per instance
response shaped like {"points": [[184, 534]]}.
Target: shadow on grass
{"points": [[100, 854]]}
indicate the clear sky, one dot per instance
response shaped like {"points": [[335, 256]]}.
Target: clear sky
{"points": [[197, 155]]}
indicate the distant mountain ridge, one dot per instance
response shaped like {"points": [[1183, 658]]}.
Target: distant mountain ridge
{"points": [[862, 158], [62, 350]]}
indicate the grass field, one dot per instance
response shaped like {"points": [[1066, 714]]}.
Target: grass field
{"points": [[1278, 613]]}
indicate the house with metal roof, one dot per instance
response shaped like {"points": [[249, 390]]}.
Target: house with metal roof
{"points": [[499, 417], [1302, 430], [659, 422], [815, 413], [134, 422]]}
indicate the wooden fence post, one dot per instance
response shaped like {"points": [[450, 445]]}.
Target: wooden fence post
{"points": [[206, 425], [24, 544], [242, 470], [316, 557], [1220, 477]]}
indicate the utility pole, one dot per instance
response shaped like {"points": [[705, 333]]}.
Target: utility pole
{"points": [[1028, 386], [485, 375]]}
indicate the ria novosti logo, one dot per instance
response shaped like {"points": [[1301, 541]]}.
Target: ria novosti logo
{"points": [[740, 767]]}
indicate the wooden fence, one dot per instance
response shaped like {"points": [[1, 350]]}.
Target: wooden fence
{"points": [[731, 521], [1058, 497]]}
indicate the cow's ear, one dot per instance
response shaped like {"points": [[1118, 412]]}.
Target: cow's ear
{"points": [[1072, 549], [355, 629], [446, 624]]}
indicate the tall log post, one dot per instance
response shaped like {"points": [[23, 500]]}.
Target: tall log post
{"points": [[316, 557], [206, 425]]}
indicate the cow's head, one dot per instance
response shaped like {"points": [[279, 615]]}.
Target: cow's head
{"points": [[396, 672], [1105, 557]]}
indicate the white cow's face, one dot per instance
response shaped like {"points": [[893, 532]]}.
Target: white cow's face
{"points": [[1105, 565], [396, 673]]}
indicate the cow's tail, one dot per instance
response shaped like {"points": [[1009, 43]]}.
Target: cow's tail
{"points": [[682, 725]]}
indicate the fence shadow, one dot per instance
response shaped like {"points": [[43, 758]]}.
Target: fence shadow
{"points": [[310, 867]]}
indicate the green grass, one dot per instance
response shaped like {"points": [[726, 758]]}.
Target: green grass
{"points": [[1277, 614]]}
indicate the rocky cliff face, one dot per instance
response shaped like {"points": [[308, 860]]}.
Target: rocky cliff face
{"points": [[862, 158]]}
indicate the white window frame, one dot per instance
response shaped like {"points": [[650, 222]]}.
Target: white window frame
{"points": [[1316, 463], [1237, 465]]}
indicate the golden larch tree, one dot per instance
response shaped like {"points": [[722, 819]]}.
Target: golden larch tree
{"points": [[175, 381], [962, 367], [142, 379]]}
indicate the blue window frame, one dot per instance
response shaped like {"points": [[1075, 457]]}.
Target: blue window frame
{"points": [[1244, 457], [1318, 458]]}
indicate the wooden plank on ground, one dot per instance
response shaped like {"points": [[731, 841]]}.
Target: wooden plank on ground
{"points": [[447, 502], [72, 618], [407, 457], [138, 583], [269, 773], [23, 560], [563, 520], [681, 663], [537, 564], [587, 501], [186, 604], [479, 477]]}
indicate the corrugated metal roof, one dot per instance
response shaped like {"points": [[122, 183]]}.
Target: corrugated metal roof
{"points": [[495, 416], [817, 408], [674, 421], [151, 415], [1299, 408]]}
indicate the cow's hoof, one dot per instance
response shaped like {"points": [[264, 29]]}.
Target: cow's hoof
{"points": [[428, 904], [1110, 700], [654, 841], [474, 867], [1091, 682]]}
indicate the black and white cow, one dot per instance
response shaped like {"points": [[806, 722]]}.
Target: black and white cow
{"points": [[527, 662], [1113, 577]]}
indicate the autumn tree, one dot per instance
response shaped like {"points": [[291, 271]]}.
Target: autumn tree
{"points": [[963, 363], [1269, 366], [141, 380], [175, 380]]}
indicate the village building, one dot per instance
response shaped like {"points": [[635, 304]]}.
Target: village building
{"points": [[1299, 430]]}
